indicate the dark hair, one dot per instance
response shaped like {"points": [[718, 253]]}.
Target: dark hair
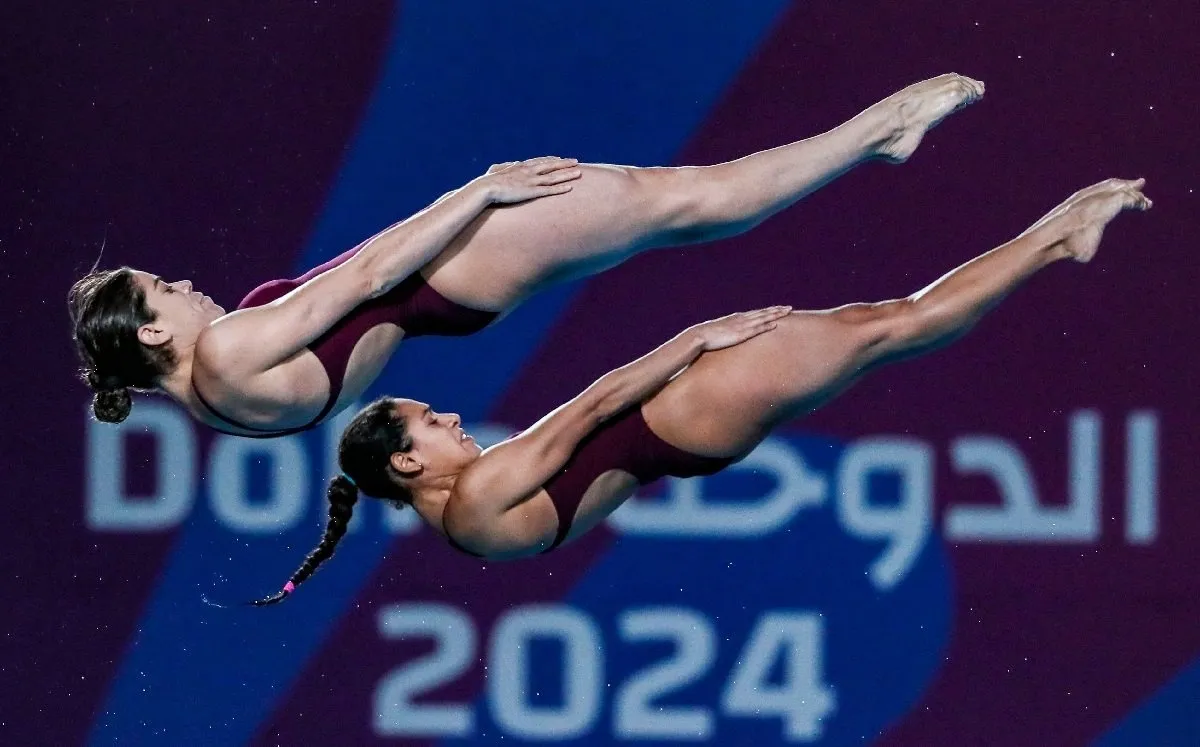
{"points": [[364, 455], [107, 307]]}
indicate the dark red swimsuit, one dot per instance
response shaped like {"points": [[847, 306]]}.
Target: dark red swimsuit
{"points": [[624, 442], [412, 305]]}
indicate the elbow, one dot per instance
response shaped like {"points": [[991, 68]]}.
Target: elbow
{"points": [[371, 281], [608, 403]]}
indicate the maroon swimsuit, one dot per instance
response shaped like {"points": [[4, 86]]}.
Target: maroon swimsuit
{"points": [[412, 305], [624, 442]]}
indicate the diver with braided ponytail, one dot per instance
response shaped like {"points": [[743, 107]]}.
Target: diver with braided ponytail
{"points": [[362, 456]]}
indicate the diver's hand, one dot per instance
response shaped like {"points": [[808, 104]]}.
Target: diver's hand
{"points": [[737, 328], [518, 181]]}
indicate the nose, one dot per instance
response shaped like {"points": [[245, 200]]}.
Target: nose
{"points": [[187, 285], [455, 419]]}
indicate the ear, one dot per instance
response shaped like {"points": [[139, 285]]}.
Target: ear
{"points": [[153, 335], [405, 465]]}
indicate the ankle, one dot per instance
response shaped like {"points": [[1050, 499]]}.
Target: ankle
{"points": [[1056, 252], [870, 129], [883, 127]]}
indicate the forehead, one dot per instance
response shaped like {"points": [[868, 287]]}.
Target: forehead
{"points": [[144, 279], [407, 407]]}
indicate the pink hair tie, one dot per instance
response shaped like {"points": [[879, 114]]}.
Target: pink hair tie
{"points": [[289, 587]]}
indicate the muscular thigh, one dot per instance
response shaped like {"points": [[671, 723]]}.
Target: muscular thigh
{"points": [[729, 400], [512, 251]]}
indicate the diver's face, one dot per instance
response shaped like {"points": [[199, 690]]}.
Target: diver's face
{"points": [[181, 312], [440, 445]]}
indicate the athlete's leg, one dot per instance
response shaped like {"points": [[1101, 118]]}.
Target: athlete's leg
{"points": [[614, 212], [710, 202], [730, 399]]}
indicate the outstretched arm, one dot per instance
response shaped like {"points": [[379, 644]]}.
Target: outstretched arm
{"points": [[510, 472], [252, 341]]}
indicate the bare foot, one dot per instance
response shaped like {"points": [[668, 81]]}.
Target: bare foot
{"points": [[916, 109], [1091, 211], [1104, 186]]}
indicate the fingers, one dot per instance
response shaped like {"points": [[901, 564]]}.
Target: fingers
{"points": [[759, 327], [540, 165], [556, 189], [769, 313], [518, 181], [757, 316], [735, 329], [769, 317], [754, 323], [536, 166], [558, 177], [546, 164]]}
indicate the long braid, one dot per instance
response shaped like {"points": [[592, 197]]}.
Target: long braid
{"points": [[364, 451], [342, 496]]}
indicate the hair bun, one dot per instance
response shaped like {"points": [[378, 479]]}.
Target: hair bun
{"points": [[112, 405]]}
